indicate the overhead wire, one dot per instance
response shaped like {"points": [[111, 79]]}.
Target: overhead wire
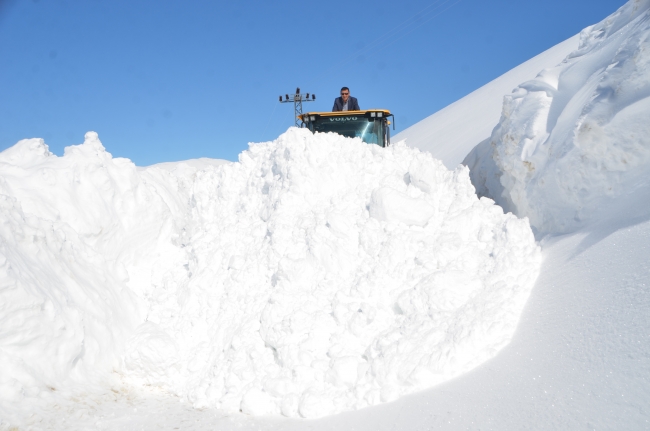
{"points": [[275, 105], [404, 25], [424, 22], [398, 29], [395, 29]]}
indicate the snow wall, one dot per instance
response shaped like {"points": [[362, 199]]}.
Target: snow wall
{"points": [[316, 275], [445, 134], [578, 135]]}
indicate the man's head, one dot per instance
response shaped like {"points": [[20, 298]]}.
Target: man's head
{"points": [[345, 94]]}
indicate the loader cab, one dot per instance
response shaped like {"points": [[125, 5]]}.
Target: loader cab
{"points": [[371, 125]]}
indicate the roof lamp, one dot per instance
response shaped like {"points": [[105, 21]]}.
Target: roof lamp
{"points": [[380, 114], [373, 114]]}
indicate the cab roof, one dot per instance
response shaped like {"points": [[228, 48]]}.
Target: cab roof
{"points": [[344, 113]]}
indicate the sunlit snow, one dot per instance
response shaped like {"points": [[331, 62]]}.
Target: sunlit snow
{"points": [[577, 136], [320, 275], [316, 275]]}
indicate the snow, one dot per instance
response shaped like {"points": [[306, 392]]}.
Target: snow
{"points": [[446, 134], [322, 275], [576, 137], [318, 274], [192, 164]]}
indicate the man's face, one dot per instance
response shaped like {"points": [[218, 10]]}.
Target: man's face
{"points": [[345, 95]]}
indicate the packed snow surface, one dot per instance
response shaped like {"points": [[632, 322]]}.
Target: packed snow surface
{"points": [[316, 275], [576, 137]]}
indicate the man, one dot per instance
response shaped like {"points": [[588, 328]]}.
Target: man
{"points": [[345, 102]]}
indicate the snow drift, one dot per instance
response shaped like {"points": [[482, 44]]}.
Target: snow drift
{"points": [[317, 274], [446, 135], [578, 135]]}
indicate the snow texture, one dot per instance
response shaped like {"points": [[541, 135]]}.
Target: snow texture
{"points": [[316, 275], [446, 135], [576, 137], [320, 274]]}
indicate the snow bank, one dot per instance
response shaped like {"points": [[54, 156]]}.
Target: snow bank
{"points": [[65, 310], [318, 274], [445, 134], [578, 135]]}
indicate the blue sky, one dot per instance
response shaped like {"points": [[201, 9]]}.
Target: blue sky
{"points": [[173, 80]]}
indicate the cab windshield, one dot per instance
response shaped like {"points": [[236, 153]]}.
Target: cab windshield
{"points": [[371, 132]]}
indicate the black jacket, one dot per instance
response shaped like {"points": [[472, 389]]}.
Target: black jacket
{"points": [[353, 105]]}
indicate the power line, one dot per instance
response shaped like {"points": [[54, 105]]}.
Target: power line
{"points": [[424, 22], [396, 33], [269, 122], [398, 29]]}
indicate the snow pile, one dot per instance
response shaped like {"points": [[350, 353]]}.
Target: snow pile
{"points": [[578, 135], [65, 310], [318, 274]]}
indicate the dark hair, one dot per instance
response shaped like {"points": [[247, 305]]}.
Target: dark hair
{"points": [[345, 88]]}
